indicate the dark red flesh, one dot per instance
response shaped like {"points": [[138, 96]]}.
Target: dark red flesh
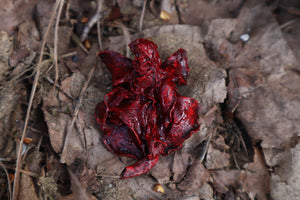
{"points": [[144, 116]]}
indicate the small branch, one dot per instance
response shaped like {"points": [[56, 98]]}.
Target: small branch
{"points": [[76, 39], [99, 8], [88, 27], [68, 54], [206, 146], [61, 4], [235, 161], [142, 16]]}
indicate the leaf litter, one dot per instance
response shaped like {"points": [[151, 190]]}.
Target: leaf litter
{"points": [[247, 146]]}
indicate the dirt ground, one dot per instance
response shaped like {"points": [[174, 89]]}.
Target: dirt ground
{"points": [[244, 60]]}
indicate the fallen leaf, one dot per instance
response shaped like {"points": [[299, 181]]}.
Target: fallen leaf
{"points": [[216, 159], [195, 178], [285, 179], [27, 190], [180, 165], [222, 9]]}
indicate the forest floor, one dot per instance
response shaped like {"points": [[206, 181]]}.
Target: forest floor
{"points": [[244, 72]]}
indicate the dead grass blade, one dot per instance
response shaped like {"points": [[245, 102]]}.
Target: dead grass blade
{"points": [[55, 56], [202, 156]]}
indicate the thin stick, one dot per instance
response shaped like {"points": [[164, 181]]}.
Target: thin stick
{"points": [[61, 4], [207, 145], [63, 56], [37, 131], [108, 176], [70, 127], [99, 8], [76, 39], [6, 159], [34, 86], [287, 24], [67, 10], [68, 54], [142, 16], [235, 161], [126, 35], [113, 24], [88, 27], [28, 173], [8, 180]]}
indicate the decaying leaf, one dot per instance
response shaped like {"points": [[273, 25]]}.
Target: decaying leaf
{"points": [[27, 190], [195, 178]]}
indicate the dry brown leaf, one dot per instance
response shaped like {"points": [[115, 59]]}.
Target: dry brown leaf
{"points": [[216, 159], [27, 190], [226, 179], [195, 178], [162, 170], [285, 181], [259, 83], [56, 127], [258, 179], [255, 181], [14, 13], [180, 164], [72, 85], [88, 180]]}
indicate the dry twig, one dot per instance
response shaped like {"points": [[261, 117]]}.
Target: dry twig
{"points": [[99, 8], [28, 173], [142, 16], [34, 86], [76, 39], [113, 24], [61, 3], [68, 10], [287, 23]]}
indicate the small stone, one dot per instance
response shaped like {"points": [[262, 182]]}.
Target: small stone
{"points": [[245, 37]]}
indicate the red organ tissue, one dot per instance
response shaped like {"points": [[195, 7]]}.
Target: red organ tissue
{"points": [[144, 116]]}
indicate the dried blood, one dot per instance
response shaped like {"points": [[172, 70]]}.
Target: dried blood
{"points": [[144, 116]]}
